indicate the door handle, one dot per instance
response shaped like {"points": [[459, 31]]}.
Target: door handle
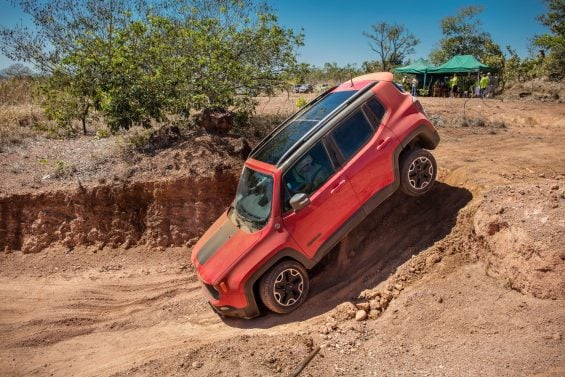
{"points": [[338, 187], [383, 143]]}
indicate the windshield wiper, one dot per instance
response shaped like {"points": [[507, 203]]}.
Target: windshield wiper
{"points": [[249, 218]]}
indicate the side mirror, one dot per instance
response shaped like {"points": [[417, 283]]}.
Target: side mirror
{"points": [[299, 201]]}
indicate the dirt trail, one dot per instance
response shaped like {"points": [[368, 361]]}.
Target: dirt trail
{"points": [[97, 310], [113, 314]]}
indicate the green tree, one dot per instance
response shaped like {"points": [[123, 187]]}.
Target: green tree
{"points": [[67, 31], [554, 41], [463, 35], [235, 46], [511, 66], [138, 61], [392, 43], [333, 72], [336, 74], [304, 73]]}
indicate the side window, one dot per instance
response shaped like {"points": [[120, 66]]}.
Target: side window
{"points": [[309, 173], [352, 134], [377, 108]]}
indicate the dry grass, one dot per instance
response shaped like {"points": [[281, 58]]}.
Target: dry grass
{"points": [[17, 91], [282, 104], [18, 123], [23, 119], [19, 116]]}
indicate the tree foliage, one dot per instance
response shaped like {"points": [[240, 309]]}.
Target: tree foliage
{"points": [[553, 41], [336, 74], [16, 71], [463, 35], [331, 73], [392, 43], [139, 61], [371, 66]]}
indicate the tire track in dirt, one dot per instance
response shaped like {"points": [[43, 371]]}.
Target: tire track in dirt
{"points": [[62, 310], [62, 320]]}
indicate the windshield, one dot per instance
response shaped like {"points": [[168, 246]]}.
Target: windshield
{"points": [[253, 198]]}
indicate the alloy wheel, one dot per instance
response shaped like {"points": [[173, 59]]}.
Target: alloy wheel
{"points": [[288, 287], [420, 173]]}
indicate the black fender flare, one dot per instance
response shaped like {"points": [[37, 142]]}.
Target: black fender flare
{"points": [[426, 134], [287, 253]]}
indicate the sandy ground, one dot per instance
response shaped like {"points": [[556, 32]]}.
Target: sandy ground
{"points": [[452, 309]]}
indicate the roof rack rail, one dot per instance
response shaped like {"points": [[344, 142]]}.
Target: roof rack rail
{"points": [[322, 122]]}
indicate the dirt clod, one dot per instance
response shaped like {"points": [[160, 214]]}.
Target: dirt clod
{"points": [[361, 315]]}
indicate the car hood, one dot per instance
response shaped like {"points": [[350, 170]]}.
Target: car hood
{"points": [[223, 245]]}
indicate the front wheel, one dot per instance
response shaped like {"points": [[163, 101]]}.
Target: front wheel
{"points": [[284, 287], [418, 171]]}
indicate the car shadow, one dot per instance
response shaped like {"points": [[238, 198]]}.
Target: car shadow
{"points": [[399, 228]]}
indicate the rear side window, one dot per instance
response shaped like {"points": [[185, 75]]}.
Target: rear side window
{"points": [[352, 134], [377, 109]]}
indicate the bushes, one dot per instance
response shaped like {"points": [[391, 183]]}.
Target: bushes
{"points": [[142, 62]]}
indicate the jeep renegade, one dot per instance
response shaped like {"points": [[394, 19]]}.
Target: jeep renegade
{"points": [[306, 185]]}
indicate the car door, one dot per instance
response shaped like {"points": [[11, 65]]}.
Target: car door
{"points": [[332, 201], [366, 149]]}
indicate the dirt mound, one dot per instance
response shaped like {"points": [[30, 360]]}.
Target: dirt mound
{"points": [[524, 229], [164, 137], [535, 90], [216, 120], [264, 356], [201, 177]]}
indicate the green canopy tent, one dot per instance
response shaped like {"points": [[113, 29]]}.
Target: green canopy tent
{"points": [[461, 64], [419, 67]]}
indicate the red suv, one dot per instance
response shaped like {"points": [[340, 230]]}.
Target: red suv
{"points": [[306, 185]]}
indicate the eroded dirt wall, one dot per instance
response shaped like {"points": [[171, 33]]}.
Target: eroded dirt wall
{"points": [[157, 213], [523, 227]]}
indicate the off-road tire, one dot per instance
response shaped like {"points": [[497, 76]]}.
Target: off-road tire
{"points": [[418, 170], [284, 287]]}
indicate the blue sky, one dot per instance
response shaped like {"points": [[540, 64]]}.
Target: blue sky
{"points": [[334, 28]]}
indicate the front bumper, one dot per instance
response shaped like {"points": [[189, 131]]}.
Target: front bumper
{"points": [[239, 304], [230, 311]]}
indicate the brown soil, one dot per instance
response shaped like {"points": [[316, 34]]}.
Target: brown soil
{"points": [[95, 277]]}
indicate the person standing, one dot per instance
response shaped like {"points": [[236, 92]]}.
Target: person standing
{"points": [[491, 87], [414, 86], [483, 85], [453, 85], [437, 89]]}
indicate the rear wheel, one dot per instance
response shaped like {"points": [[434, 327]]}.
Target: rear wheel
{"points": [[284, 287], [418, 171]]}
